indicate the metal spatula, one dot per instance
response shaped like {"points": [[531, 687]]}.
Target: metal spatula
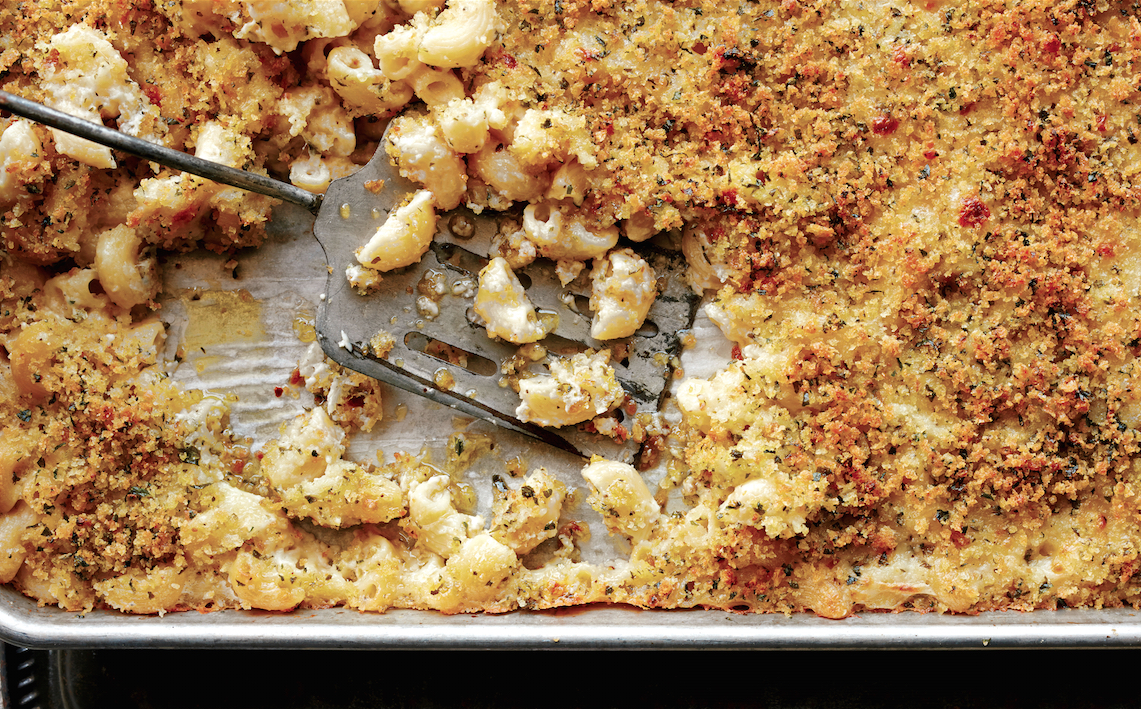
{"points": [[439, 350]]}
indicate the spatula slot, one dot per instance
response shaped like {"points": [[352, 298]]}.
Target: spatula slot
{"points": [[562, 346], [648, 329], [461, 226], [460, 259], [450, 354], [581, 305]]}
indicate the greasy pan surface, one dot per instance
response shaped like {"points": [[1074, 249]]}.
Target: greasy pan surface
{"points": [[22, 623]]}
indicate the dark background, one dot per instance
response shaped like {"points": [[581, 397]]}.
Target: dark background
{"points": [[221, 679]]}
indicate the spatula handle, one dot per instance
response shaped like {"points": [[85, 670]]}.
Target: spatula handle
{"points": [[156, 153]]}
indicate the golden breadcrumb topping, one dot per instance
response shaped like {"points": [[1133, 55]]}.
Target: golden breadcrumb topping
{"points": [[918, 223]]}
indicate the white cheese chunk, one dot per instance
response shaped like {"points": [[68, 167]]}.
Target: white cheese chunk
{"points": [[624, 288], [504, 306], [575, 391]]}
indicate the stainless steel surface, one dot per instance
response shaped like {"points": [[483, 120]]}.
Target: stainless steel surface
{"points": [[22, 623], [348, 321]]}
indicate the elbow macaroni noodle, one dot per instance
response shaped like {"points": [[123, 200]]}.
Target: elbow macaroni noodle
{"points": [[363, 87], [460, 34], [19, 146], [127, 279], [504, 306], [315, 173], [577, 389], [562, 234], [435, 87], [425, 157], [404, 236], [498, 168], [396, 52], [89, 80], [623, 289]]}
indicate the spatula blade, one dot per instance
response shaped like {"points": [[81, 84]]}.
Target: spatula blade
{"points": [[437, 348]]}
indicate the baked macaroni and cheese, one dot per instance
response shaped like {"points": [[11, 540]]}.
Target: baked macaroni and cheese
{"points": [[917, 223]]}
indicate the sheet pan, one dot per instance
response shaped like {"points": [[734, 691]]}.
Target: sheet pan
{"points": [[220, 352], [22, 623]]}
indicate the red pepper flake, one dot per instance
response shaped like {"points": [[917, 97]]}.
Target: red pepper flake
{"points": [[278, 391], [973, 213], [183, 217], [153, 94], [295, 378], [899, 56], [967, 108], [885, 124], [237, 466], [1101, 124], [1052, 45], [737, 352], [930, 154], [1106, 250], [509, 60], [699, 48], [959, 539], [650, 454], [730, 59]]}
